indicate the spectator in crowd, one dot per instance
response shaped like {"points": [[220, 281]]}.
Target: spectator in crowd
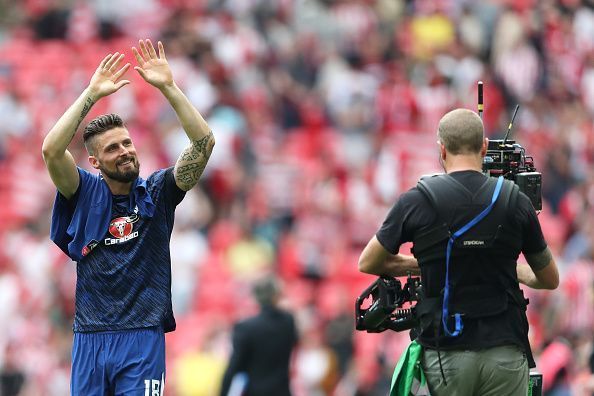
{"points": [[11, 377]]}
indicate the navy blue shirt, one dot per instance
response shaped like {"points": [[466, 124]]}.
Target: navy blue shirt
{"points": [[125, 281]]}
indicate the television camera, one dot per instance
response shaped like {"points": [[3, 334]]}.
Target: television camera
{"points": [[508, 159]]}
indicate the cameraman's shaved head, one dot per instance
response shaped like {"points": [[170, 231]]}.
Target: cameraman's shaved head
{"points": [[461, 132]]}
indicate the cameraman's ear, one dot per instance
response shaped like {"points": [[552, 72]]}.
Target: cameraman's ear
{"points": [[442, 151], [484, 148]]}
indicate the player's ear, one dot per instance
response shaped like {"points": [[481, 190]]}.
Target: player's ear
{"points": [[94, 161]]}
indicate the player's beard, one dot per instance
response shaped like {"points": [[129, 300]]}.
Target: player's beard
{"points": [[123, 176]]}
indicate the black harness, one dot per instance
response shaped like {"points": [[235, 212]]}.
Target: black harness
{"points": [[466, 239]]}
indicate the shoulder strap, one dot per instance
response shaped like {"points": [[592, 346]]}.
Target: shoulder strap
{"points": [[441, 190], [432, 184], [444, 193], [509, 196], [434, 187]]}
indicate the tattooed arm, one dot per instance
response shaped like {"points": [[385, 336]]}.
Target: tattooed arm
{"points": [[193, 159], [58, 160], [154, 69]]}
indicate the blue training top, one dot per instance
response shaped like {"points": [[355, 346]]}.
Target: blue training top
{"points": [[124, 281]]}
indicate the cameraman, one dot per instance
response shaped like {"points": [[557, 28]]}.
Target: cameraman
{"points": [[487, 352]]}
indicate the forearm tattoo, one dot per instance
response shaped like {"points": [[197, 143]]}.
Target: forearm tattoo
{"points": [[192, 161], [539, 260], [86, 108]]}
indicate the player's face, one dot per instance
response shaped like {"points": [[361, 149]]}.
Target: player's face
{"points": [[115, 156]]}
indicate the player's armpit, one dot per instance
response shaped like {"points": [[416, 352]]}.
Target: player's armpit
{"points": [[192, 161]]}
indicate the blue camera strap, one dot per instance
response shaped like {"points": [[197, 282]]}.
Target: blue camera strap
{"points": [[446, 294]]}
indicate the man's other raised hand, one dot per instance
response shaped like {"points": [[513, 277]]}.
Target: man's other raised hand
{"points": [[153, 67], [106, 79]]}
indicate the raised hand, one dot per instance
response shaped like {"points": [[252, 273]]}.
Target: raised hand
{"points": [[153, 68], [106, 79]]}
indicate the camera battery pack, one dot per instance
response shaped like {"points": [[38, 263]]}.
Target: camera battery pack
{"points": [[530, 183]]}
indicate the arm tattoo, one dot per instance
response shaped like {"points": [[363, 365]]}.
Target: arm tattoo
{"points": [[539, 260], [87, 107], [192, 161]]}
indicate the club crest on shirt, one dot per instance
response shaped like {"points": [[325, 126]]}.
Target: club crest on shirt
{"points": [[122, 229]]}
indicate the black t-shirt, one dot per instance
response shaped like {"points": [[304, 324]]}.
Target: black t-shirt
{"points": [[413, 212]]}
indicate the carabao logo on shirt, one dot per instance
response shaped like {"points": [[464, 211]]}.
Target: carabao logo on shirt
{"points": [[122, 229]]}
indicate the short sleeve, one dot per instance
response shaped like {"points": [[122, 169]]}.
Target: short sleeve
{"points": [[390, 233], [411, 212], [172, 191], [533, 240]]}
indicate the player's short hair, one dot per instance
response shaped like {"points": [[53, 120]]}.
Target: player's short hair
{"points": [[461, 131], [98, 126]]}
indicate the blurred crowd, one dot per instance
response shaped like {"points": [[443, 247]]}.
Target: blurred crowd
{"points": [[324, 111]]}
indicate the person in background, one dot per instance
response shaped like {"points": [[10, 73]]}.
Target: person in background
{"points": [[262, 347]]}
